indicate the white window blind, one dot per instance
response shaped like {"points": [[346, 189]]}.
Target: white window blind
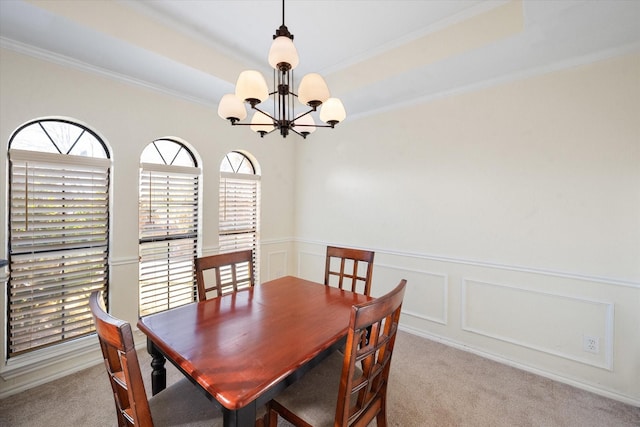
{"points": [[168, 236], [239, 213], [59, 241]]}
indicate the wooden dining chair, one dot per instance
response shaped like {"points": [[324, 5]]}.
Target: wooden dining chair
{"points": [[179, 404], [346, 265], [233, 271], [349, 390]]}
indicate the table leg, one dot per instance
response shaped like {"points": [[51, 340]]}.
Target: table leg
{"points": [[243, 417], [158, 373]]}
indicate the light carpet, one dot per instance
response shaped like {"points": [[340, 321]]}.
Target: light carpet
{"points": [[431, 384]]}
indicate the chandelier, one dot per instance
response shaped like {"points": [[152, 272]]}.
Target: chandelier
{"points": [[251, 88]]}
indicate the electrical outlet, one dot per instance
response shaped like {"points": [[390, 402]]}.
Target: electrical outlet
{"points": [[590, 344]]}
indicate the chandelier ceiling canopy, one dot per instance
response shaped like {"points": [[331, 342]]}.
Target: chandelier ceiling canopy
{"points": [[251, 88]]}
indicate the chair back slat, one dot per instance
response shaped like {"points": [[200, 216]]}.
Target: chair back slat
{"points": [[233, 271], [350, 269]]}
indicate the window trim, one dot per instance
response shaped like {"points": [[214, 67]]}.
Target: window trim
{"points": [[65, 120]]}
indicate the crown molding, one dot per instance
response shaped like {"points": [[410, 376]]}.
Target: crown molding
{"points": [[68, 62]]}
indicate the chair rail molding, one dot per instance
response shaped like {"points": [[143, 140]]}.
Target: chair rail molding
{"points": [[494, 265]]}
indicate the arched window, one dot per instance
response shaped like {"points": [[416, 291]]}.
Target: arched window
{"points": [[239, 223], [59, 180], [168, 225]]}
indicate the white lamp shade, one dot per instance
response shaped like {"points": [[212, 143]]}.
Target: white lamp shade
{"points": [[251, 85], [308, 122], [332, 111], [283, 51], [313, 90], [260, 122], [231, 107]]}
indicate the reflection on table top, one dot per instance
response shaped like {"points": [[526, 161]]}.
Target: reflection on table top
{"points": [[238, 346]]}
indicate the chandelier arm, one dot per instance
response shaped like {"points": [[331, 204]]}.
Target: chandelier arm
{"points": [[312, 126], [261, 132], [265, 113], [304, 136], [304, 114]]}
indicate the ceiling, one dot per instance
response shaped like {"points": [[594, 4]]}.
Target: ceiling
{"points": [[375, 55]]}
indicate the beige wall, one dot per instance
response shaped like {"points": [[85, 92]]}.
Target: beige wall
{"points": [[514, 211], [541, 173]]}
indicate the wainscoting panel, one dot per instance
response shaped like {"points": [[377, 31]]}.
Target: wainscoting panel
{"points": [[311, 266], [276, 264], [577, 329], [426, 295]]}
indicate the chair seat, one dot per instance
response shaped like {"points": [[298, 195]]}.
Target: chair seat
{"points": [[313, 398], [182, 404]]}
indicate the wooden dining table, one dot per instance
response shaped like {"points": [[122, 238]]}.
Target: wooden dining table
{"points": [[243, 348]]}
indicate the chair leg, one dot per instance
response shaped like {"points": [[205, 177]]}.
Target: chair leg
{"points": [[381, 418], [271, 417]]}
